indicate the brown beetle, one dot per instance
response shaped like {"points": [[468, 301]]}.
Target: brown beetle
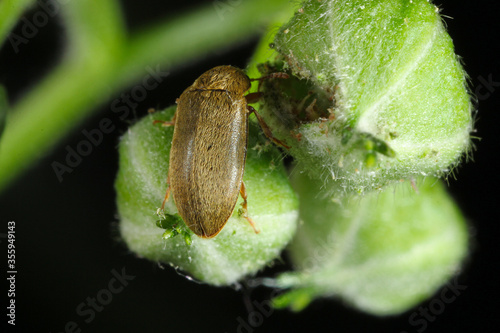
{"points": [[209, 148]]}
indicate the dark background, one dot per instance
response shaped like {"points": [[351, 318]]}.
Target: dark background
{"points": [[66, 239]]}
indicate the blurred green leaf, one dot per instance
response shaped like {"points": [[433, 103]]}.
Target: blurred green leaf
{"points": [[96, 30], [10, 11]]}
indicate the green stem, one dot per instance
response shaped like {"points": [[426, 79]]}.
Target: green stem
{"points": [[10, 11], [203, 31]]}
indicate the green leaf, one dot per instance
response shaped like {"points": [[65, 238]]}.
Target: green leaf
{"points": [[296, 300]]}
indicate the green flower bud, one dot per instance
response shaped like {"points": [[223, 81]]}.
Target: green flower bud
{"points": [[377, 93], [382, 252], [237, 250]]}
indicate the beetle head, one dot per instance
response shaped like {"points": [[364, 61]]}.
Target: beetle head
{"points": [[228, 78]]}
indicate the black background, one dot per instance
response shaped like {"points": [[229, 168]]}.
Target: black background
{"points": [[66, 238]]}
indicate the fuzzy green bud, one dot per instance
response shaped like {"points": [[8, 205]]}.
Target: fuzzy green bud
{"points": [[377, 93], [382, 252], [237, 250]]}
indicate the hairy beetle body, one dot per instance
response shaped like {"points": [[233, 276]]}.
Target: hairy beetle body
{"points": [[207, 158]]}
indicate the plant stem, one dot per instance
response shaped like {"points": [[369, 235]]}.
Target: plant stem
{"points": [[10, 11]]}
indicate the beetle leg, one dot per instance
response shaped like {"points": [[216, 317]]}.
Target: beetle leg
{"points": [[167, 194], [243, 192], [253, 97], [277, 75], [266, 129], [166, 123]]}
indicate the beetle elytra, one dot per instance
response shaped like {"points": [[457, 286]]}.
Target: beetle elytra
{"points": [[209, 146]]}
